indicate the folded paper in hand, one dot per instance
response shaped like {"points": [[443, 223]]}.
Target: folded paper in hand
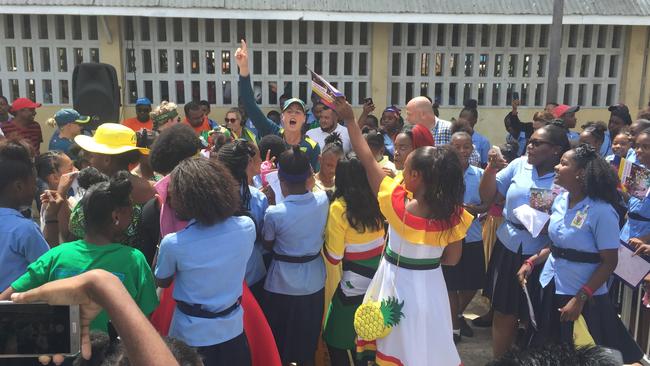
{"points": [[631, 269], [533, 220], [274, 182]]}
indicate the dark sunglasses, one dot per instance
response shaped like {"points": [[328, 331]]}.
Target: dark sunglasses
{"points": [[231, 120], [538, 143]]}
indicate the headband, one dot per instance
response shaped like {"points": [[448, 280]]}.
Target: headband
{"points": [[293, 178], [165, 116]]}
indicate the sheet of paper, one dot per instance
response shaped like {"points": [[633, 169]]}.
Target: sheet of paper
{"points": [[532, 219], [274, 182], [631, 269]]}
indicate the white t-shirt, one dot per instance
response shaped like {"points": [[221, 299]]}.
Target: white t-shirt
{"points": [[319, 136]]}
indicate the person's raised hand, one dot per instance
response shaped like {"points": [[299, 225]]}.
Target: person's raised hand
{"points": [[495, 160], [52, 201], [368, 107], [241, 57], [65, 182], [389, 172], [343, 109], [70, 291], [515, 104]]}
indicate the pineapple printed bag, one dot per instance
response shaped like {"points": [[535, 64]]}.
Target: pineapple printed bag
{"points": [[376, 317]]}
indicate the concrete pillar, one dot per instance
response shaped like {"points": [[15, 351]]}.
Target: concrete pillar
{"points": [[635, 80], [381, 35]]}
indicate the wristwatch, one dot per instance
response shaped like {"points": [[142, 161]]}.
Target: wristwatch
{"points": [[582, 296]]}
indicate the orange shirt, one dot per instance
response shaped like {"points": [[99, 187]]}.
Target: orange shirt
{"points": [[136, 125], [205, 126]]}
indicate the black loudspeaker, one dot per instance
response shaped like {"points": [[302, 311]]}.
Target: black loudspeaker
{"points": [[96, 93]]}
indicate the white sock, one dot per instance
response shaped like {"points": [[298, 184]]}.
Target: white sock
{"points": [[456, 331]]}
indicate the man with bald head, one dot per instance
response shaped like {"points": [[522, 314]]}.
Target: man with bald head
{"points": [[419, 110]]}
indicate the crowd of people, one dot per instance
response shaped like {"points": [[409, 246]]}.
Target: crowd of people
{"points": [[265, 236]]}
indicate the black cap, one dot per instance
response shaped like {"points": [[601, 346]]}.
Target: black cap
{"points": [[621, 111]]}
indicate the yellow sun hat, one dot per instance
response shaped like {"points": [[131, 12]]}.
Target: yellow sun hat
{"points": [[110, 139]]}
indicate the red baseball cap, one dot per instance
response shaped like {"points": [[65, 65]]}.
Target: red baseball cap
{"points": [[22, 103], [562, 109]]}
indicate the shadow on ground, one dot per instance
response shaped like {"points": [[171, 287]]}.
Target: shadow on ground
{"points": [[476, 351]]}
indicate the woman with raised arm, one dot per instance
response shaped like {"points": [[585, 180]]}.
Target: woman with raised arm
{"points": [[293, 114], [426, 225]]}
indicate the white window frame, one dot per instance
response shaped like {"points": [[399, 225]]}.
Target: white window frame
{"points": [[401, 81], [300, 83], [38, 76]]}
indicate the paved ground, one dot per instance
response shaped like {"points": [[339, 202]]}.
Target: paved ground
{"points": [[476, 351]]}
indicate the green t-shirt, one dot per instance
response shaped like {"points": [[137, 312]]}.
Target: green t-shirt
{"points": [[73, 258]]}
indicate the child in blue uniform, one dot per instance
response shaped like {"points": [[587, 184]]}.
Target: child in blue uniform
{"points": [[207, 262], [238, 157], [468, 275], [583, 254], [296, 277]]}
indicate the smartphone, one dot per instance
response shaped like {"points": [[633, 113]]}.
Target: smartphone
{"points": [[32, 330], [368, 101], [515, 95]]}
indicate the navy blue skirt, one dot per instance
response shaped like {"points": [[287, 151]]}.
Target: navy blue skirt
{"points": [[603, 323], [469, 273], [296, 323], [503, 287]]}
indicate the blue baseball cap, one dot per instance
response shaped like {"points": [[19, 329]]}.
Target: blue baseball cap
{"points": [[67, 116], [142, 101]]}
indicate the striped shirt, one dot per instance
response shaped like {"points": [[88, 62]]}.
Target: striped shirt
{"points": [[32, 133]]}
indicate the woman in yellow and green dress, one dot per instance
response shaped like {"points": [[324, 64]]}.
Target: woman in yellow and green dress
{"points": [[427, 223], [354, 235]]}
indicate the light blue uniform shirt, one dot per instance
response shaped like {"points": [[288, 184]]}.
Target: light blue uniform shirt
{"points": [[472, 180], [636, 228], [631, 157], [598, 232], [482, 146], [606, 147], [514, 183], [297, 226], [21, 243], [389, 145], [208, 264], [255, 269]]}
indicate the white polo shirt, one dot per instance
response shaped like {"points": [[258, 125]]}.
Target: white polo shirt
{"points": [[318, 135]]}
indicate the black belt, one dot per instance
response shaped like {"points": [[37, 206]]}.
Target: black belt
{"points": [[197, 311], [517, 226], [359, 269], [637, 217], [575, 255], [292, 259]]}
